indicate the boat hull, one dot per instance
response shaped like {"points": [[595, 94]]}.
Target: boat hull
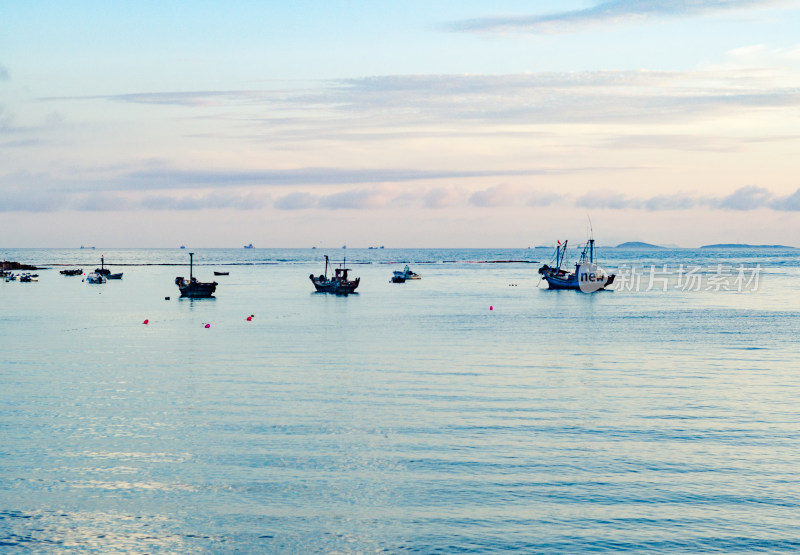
{"points": [[337, 287], [196, 289], [572, 281]]}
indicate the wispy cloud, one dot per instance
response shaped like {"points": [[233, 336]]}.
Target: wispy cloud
{"points": [[297, 201], [606, 200], [612, 11], [745, 198], [788, 203], [354, 199], [497, 195], [171, 178], [442, 197]]}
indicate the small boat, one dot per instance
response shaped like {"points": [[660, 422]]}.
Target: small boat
{"points": [[72, 272], [587, 277], [398, 279], [195, 289], [27, 278], [94, 277], [406, 273], [250, 246], [103, 271], [338, 283], [221, 273]]}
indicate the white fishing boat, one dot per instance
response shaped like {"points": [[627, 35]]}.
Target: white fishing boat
{"points": [[406, 273], [94, 277]]}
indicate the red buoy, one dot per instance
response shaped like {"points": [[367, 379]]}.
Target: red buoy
{"points": [[146, 322]]}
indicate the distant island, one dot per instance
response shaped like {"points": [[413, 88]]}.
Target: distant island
{"points": [[744, 246], [637, 245]]}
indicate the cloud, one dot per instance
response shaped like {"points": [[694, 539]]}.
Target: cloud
{"points": [[498, 195], [606, 200], [296, 201], [442, 197], [670, 202], [355, 199], [745, 198], [169, 178], [790, 203], [545, 199], [611, 11]]}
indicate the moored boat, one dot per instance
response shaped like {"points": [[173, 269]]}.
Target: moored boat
{"points": [[587, 277], [103, 271], [339, 283], [94, 277], [71, 272], [192, 288], [406, 273]]}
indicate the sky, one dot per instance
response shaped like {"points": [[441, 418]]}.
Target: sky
{"points": [[404, 124]]}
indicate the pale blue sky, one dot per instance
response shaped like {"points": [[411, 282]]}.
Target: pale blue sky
{"points": [[400, 123]]}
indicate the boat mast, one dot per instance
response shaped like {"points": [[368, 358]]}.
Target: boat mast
{"points": [[326, 266], [191, 254], [591, 251]]}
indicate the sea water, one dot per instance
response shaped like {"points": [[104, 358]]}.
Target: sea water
{"points": [[470, 411]]}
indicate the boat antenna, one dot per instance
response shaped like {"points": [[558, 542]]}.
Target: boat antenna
{"points": [[191, 255]]}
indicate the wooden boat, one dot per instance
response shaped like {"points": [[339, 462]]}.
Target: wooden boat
{"points": [[338, 283], [103, 271], [192, 288], [221, 273], [587, 277], [72, 272], [406, 273]]}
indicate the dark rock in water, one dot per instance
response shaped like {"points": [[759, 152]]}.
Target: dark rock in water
{"points": [[8, 265], [638, 245]]}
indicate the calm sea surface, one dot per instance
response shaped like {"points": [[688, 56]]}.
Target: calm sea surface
{"points": [[468, 412]]}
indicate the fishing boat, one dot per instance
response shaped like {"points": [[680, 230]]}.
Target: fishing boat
{"points": [[195, 289], [103, 271], [338, 283], [27, 277], [72, 272], [94, 277], [587, 277], [406, 273]]}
